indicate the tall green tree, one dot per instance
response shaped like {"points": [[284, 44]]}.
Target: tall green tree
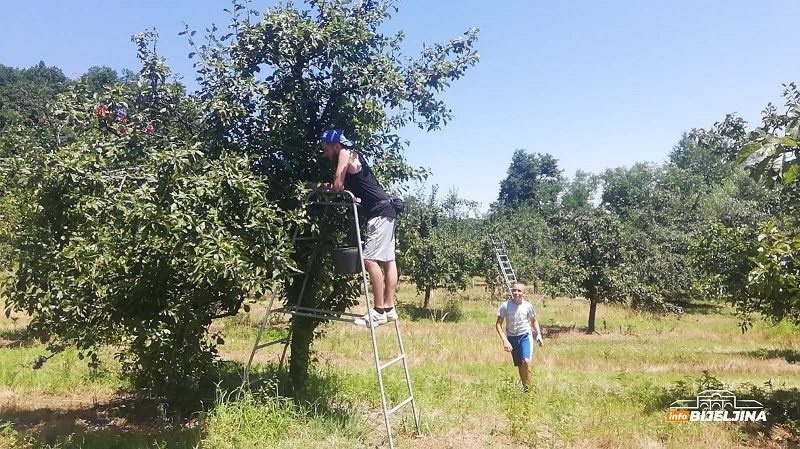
{"points": [[658, 209], [130, 236], [770, 153], [443, 248], [591, 259], [98, 77], [272, 86], [579, 192], [532, 179], [526, 234], [27, 94]]}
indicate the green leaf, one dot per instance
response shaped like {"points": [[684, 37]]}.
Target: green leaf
{"points": [[787, 142], [790, 174], [747, 151]]}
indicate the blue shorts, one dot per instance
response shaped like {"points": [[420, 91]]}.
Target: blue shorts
{"points": [[520, 348]]}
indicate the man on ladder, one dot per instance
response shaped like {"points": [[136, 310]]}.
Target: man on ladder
{"points": [[353, 172]]}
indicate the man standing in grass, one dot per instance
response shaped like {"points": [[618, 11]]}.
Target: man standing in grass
{"points": [[353, 172], [520, 320]]}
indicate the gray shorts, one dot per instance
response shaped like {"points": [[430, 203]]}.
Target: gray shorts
{"points": [[379, 243]]}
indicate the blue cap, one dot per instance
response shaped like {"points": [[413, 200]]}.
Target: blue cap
{"points": [[336, 136]]}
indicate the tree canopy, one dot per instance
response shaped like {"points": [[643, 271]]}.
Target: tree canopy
{"points": [[150, 212], [533, 179]]}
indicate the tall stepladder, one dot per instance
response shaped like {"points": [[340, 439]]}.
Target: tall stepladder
{"points": [[345, 199]]}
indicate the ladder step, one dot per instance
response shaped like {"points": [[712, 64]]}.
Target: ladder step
{"points": [[265, 345], [316, 314], [397, 407], [392, 362]]}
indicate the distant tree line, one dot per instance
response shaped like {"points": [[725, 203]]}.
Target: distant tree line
{"points": [[716, 221]]}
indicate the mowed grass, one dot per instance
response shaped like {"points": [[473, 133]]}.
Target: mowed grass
{"points": [[611, 389]]}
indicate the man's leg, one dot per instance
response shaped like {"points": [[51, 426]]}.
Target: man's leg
{"points": [[390, 269], [523, 360], [376, 279], [379, 245], [377, 315], [525, 373]]}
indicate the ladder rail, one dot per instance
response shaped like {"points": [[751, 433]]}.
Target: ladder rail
{"points": [[261, 328]]}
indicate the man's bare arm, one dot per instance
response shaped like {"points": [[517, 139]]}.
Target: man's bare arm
{"points": [[341, 169]]}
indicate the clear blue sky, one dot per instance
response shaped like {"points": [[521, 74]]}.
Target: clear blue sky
{"points": [[597, 84]]}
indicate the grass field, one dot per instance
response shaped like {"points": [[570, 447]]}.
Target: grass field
{"points": [[611, 389]]}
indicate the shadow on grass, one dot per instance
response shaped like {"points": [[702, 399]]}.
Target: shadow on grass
{"points": [[16, 338], [790, 355], [449, 313], [697, 307], [319, 399], [131, 421], [557, 330], [124, 422]]}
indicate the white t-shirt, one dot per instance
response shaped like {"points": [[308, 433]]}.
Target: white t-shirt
{"points": [[517, 317]]}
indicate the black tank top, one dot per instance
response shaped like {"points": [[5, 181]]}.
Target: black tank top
{"points": [[363, 184]]}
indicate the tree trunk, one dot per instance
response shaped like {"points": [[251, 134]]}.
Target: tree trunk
{"points": [[302, 328], [300, 358], [427, 300], [592, 313]]}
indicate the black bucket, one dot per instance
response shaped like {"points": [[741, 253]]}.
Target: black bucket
{"points": [[346, 260]]}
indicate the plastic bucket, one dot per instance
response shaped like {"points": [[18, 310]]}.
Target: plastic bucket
{"points": [[346, 260]]}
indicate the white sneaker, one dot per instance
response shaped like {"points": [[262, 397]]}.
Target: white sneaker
{"points": [[376, 317], [392, 314]]}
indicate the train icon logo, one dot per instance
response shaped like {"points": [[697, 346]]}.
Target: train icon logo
{"points": [[716, 405]]}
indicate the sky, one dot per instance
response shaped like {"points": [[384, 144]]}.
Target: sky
{"points": [[597, 84]]}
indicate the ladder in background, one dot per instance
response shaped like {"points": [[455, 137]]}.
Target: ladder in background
{"points": [[504, 262], [345, 199]]}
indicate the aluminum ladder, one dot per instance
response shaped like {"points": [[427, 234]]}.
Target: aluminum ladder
{"points": [[346, 199], [504, 263]]}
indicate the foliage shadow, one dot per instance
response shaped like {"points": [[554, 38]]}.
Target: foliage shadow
{"points": [[449, 313], [126, 421], [790, 355]]}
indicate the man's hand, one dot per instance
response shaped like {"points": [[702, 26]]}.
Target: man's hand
{"points": [[507, 346], [539, 340]]}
